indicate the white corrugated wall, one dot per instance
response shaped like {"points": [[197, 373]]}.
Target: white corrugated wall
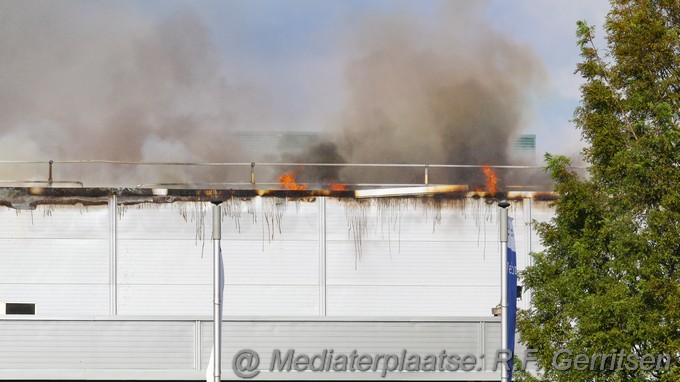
{"points": [[282, 257]]}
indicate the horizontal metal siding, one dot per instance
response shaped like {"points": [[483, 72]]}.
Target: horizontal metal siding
{"points": [[415, 258], [398, 300], [191, 221], [96, 345], [542, 213], [371, 337], [54, 222], [492, 338], [171, 299], [59, 299], [272, 256], [166, 268], [273, 301], [415, 219], [271, 219], [54, 261], [414, 263], [55, 257]]}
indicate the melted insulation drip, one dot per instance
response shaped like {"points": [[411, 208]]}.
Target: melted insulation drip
{"points": [[122, 209], [251, 209], [434, 207], [389, 216], [233, 208], [273, 210], [389, 213], [47, 210], [199, 217], [356, 213]]}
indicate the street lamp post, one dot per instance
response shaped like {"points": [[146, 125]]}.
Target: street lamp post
{"points": [[217, 291], [505, 375]]}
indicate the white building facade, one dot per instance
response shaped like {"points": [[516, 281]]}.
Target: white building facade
{"points": [[122, 288]]}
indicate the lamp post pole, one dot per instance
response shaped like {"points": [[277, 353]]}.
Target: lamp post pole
{"points": [[217, 290], [505, 375]]}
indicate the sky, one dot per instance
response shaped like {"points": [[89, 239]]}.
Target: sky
{"points": [[142, 79], [285, 38]]}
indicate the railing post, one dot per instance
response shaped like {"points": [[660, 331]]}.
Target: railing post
{"points": [[427, 173], [49, 175]]}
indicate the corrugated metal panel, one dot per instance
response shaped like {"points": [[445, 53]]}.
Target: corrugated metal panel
{"points": [[416, 258], [178, 262], [164, 299], [267, 145], [414, 263], [55, 257], [272, 256], [396, 300], [492, 342], [54, 261], [164, 264], [96, 345], [174, 221], [161, 348], [271, 263], [365, 337], [415, 219], [54, 222], [541, 213], [163, 268], [271, 300], [271, 219], [59, 299]]}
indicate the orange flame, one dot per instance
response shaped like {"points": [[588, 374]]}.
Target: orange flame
{"points": [[338, 187], [287, 181], [491, 179]]}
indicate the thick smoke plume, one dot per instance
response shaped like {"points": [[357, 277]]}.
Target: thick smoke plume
{"points": [[103, 81], [450, 91], [95, 81]]}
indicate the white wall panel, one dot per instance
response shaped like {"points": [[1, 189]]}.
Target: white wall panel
{"points": [[541, 212], [163, 267], [164, 262], [409, 265], [96, 345], [415, 219], [55, 222], [414, 263], [271, 219], [164, 299], [59, 299], [54, 261], [269, 300], [159, 348], [56, 257], [271, 263], [272, 255], [366, 337], [175, 221], [401, 300]]}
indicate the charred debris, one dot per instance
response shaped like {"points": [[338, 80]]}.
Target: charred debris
{"points": [[31, 197]]}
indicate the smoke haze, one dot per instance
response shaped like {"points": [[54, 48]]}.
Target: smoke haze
{"points": [[452, 91], [94, 81]]}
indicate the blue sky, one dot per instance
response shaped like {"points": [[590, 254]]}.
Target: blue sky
{"points": [[153, 75], [283, 39]]}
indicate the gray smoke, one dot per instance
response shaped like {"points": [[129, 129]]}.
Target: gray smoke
{"points": [[101, 81], [450, 91]]}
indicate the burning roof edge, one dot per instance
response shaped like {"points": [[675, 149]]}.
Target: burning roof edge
{"points": [[31, 197]]}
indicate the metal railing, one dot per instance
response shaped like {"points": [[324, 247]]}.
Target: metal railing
{"points": [[426, 167]]}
